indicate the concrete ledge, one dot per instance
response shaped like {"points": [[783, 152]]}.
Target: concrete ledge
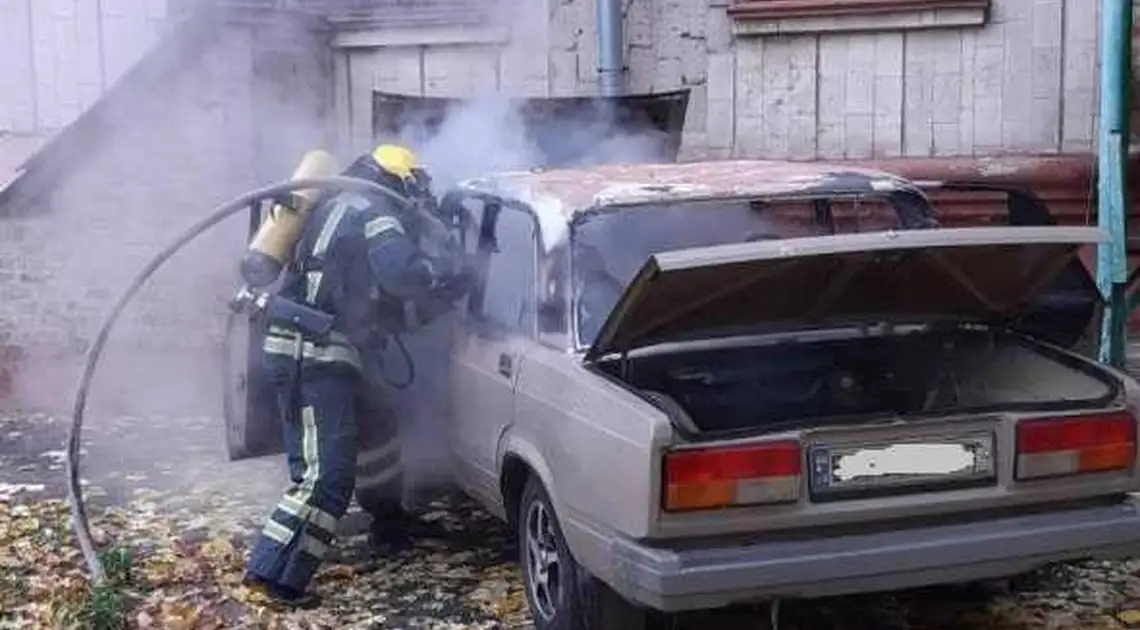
{"points": [[781, 17], [356, 35]]}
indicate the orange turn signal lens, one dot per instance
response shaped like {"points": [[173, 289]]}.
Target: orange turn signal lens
{"points": [[700, 496], [1107, 457]]}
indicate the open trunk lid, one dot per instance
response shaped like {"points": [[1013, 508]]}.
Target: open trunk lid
{"points": [[970, 274]]}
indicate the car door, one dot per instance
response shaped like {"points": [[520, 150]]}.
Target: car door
{"points": [[249, 403], [488, 349]]}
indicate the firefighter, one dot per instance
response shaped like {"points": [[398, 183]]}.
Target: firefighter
{"points": [[354, 252]]}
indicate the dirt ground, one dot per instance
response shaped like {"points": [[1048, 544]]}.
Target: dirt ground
{"points": [[179, 518]]}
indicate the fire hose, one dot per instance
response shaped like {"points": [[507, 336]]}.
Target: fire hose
{"points": [[74, 490]]}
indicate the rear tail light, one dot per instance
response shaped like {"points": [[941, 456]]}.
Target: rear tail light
{"points": [[710, 478], [1052, 447]]}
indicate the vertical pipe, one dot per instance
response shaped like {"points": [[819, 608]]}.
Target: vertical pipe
{"points": [[33, 78], [1112, 151], [101, 44], [611, 61]]}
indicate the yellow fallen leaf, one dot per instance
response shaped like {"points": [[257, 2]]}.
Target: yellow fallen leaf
{"points": [[1129, 617], [178, 616], [250, 596], [27, 525], [219, 550], [339, 572]]}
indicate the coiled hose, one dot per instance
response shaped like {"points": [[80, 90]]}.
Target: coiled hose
{"points": [[94, 353]]}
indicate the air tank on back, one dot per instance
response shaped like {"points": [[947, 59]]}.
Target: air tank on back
{"points": [[272, 245]]}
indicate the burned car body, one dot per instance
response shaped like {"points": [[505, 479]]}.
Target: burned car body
{"points": [[684, 395]]}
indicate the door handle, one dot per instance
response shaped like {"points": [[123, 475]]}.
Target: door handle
{"points": [[505, 364]]}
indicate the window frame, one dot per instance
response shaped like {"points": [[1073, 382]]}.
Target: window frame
{"points": [[554, 267], [773, 17], [477, 320]]}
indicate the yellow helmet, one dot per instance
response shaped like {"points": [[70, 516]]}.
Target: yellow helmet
{"points": [[397, 160]]}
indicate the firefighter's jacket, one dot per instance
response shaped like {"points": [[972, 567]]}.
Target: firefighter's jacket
{"points": [[353, 258]]}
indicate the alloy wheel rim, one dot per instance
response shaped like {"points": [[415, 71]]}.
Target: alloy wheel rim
{"points": [[543, 563]]}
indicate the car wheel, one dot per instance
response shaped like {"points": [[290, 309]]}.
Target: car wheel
{"points": [[560, 593]]}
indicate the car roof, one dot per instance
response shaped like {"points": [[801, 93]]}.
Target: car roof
{"points": [[575, 191]]}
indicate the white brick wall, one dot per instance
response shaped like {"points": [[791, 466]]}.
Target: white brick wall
{"points": [[835, 95], [238, 113], [1025, 82], [17, 103], [58, 56]]}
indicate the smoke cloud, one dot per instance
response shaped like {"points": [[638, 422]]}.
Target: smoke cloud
{"points": [[205, 116], [491, 130], [490, 133], [169, 146]]}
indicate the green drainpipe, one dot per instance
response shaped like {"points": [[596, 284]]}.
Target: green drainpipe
{"points": [[1112, 185]]}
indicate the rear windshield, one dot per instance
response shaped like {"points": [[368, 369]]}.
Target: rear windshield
{"points": [[609, 248]]}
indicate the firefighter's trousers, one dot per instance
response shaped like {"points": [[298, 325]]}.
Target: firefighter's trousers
{"points": [[379, 469], [320, 431]]}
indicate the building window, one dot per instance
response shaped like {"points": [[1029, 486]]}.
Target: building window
{"points": [[772, 17]]}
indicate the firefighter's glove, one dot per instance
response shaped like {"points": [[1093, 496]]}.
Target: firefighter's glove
{"points": [[455, 286]]}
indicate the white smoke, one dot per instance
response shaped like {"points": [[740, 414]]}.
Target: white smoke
{"points": [[173, 149], [493, 131], [488, 133]]}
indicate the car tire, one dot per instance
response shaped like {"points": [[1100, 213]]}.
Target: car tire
{"points": [[560, 593]]}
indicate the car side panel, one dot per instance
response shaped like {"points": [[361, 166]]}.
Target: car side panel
{"points": [[596, 447], [484, 406]]}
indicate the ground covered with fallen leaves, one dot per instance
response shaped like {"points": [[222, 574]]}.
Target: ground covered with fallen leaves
{"points": [[175, 528]]}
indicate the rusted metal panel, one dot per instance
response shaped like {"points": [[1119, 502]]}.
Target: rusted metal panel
{"points": [[581, 189], [783, 9], [1065, 183], [1071, 173]]}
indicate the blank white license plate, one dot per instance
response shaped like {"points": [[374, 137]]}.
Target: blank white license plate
{"points": [[901, 466]]}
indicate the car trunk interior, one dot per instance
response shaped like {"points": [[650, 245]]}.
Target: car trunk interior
{"points": [[854, 377]]}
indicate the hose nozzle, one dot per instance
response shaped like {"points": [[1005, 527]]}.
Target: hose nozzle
{"points": [[247, 300]]}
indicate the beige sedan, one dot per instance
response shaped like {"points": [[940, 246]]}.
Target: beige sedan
{"points": [[699, 385]]}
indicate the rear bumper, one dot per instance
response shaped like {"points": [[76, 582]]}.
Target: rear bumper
{"points": [[673, 580]]}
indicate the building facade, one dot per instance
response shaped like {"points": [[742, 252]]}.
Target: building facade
{"points": [[121, 121], [894, 78]]}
